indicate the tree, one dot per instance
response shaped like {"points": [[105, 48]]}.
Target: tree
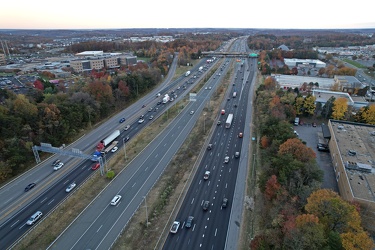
{"points": [[368, 114], [298, 104], [295, 147], [357, 240], [327, 108], [272, 187], [309, 104], [333, 212], [340, 107]]}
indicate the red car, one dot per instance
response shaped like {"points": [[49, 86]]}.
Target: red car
{"points": [[95, 166]]}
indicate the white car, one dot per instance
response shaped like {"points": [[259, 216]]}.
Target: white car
{"points": [[127, 127], [115, 200], [70, 187], [58, 166], [141, 120], [226, 159], [192, 112], [175, 227], [114, 149]]}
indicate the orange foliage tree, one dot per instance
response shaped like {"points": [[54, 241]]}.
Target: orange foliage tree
{"points": [[340, 107], [297, 149]]}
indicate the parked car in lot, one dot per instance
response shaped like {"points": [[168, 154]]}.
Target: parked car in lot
{"points": [[189, 221], [58, 166], [175, 226], [122, 120], [70, 187], [30, 186]]}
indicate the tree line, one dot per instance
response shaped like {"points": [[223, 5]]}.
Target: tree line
{"points": [[296, 213]]}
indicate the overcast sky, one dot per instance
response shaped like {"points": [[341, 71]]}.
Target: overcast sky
{"points": [[82, 14]]}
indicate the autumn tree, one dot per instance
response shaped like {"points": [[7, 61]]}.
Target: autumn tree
{"points": [[339, 109], [270, 83], [298, 105], [272, 187], [357, 240], [297, 149], [367, 114], [309, 104]]}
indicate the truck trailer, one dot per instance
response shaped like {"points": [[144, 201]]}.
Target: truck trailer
{"points": [[166, 98], [106, 141], [229, 120], [187, 73]]}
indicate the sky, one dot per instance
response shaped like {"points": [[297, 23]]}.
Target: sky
{"points": [[116, 14]]}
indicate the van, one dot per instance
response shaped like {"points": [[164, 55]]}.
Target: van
{"points": [[237, 154], [34, 218], [115, 200]]}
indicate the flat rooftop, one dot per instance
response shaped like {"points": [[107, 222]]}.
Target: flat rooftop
{"points": [[356, 144]]}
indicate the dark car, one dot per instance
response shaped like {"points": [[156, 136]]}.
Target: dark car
{"points": [[224, 203], [122, 120], [206, 205], [55, 162], [314, 124], [189, 222], [30, 186]]}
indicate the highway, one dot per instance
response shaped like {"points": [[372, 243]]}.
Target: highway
{"points": [[100, 224], [210, 228], [17, 206]]}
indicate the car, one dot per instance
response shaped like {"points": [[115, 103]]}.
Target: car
{"points": [[206, 175], [70, 187], [240, 135], [189, 221], [150, 109], [206, 205], [58, 166], [314, 124], [223, 111], [218, 123], [95, 166], [235, 105], [237, 154], [158, 103], [115, 200], [178, 87], [127, 127], [226, 159], [210, 87], [296, 133], [56, 162], [142, 116], [143, 106], [141, 121], [30, 186], [151, 117], [114, 149], [224, 202], [323, 149], [127, 138], [156, 109], [175, 226], [36, 216], [158, 94], [209, 147], [192, 112], [122, 120]]}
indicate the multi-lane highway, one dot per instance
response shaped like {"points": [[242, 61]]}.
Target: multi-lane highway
{"points": [[209, 229], [17, 206]]}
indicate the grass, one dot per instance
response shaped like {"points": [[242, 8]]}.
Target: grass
{"points": [[161, 199], [354, 63]]}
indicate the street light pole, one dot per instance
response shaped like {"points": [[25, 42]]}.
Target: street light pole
{"points": [[123, 141], [204, 123], [146, 212]]}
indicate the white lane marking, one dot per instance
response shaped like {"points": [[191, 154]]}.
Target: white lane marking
{"points": [[99, 228], [192, 201], [49, 203]]}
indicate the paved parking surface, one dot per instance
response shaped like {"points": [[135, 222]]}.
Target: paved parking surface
{"points": [[309, 134]]}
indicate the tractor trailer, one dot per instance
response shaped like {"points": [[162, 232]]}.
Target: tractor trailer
{"points": [[229, 120]]}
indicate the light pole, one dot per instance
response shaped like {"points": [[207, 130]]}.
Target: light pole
{"points": [[105, 163], [146, 211], [204, 123], [123, 141]]}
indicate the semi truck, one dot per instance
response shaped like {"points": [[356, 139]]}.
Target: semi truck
{"points": [[229, 120], [166, 98], [106, 141], [187, 73]]}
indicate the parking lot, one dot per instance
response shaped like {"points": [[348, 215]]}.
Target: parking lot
{"points": [[309, 134]]}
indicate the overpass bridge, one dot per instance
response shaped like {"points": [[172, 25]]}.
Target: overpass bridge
{"points": [[228, 54]]}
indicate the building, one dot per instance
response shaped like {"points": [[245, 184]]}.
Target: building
{"points": [[290, 81], [322, 96], [348, 84], [3, 59], [352, 148], [310, 63]]}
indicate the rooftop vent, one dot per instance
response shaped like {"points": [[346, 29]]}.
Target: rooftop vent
{"points": [[340, 127], [352, 152], [372, 133]]}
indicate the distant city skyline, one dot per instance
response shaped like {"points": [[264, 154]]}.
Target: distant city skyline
{"points": [[319, 14]]}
